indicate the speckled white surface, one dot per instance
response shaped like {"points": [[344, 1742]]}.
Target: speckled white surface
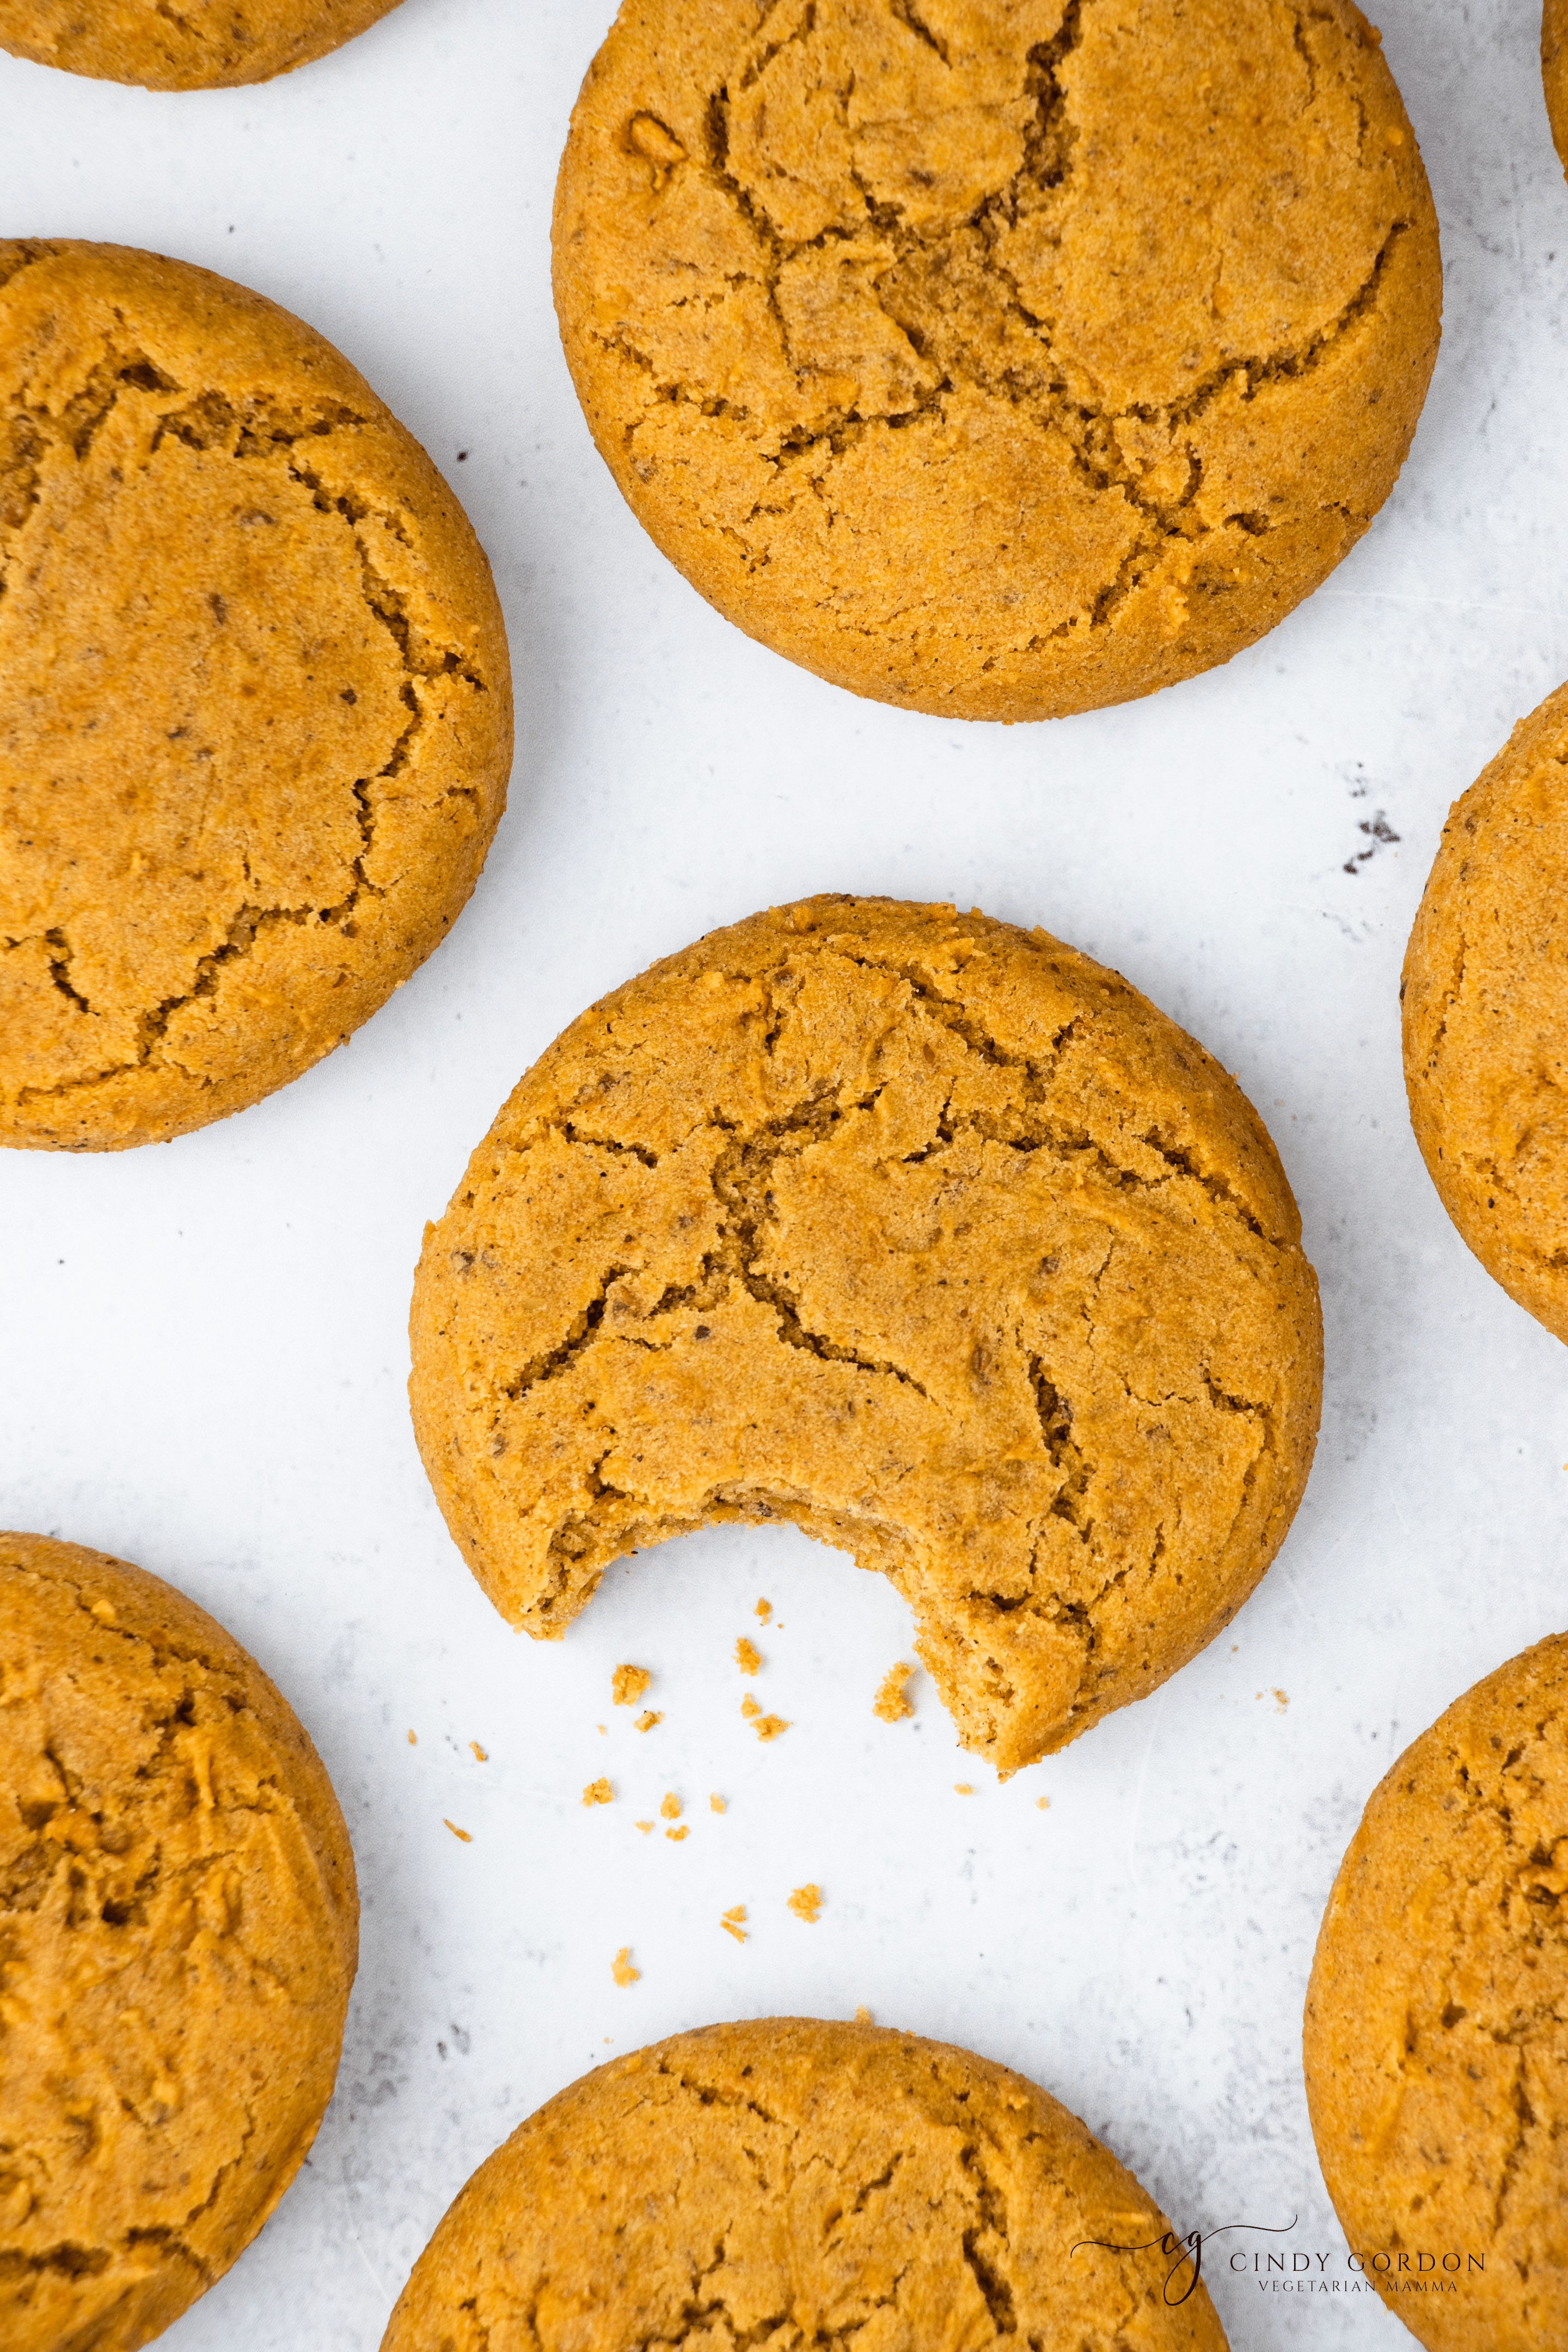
{"points": [[204, 1351]]}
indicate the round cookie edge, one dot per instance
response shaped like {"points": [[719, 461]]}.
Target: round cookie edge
{"points": [[1417, 298], [1398, 1790], [231, 325], [151, 1610], [444, 2260], [338, 22], [1437, 936], [1237, 1128]]}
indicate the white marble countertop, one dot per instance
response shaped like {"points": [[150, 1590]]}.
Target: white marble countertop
{"points": [[204, 1348]]}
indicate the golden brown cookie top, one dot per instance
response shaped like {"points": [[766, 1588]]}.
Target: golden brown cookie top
{"points": [[806, 2182], [1436, 2040], [1555, 71], [1486, 1016], [1005, 360], [201, 45], [922, 1231], [254, 706], [177, 1941]]}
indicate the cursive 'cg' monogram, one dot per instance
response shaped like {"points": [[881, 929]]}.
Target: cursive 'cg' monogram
{"points": [[1185, 2252]]}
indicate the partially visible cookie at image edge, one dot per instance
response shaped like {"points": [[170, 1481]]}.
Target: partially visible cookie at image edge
{"points": [[254, 699], [1436, 2026], [1485, 1016], [1555, 71], [998, 363], [201, 45], [810, 2178], [921, 1231], [176, 1948]]}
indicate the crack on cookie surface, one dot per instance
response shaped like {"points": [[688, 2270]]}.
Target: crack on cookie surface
{"points": [[741, 1180], [894, 311], [800, 2184], [96, 431], [1482, 1014], [203, 45], [933, 1296], [177, 1922], [1437, 2015]]}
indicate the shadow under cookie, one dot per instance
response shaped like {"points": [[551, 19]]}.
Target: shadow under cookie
{"points": [[919, 1231]]}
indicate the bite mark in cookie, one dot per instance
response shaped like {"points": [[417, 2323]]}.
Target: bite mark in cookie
{"points": [[922, 1232]]}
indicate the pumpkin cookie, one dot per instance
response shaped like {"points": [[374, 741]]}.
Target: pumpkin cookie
{"points": [[1436, 2040], [1002, 360], [812, 2178], [255, 708], [1486, 1016], [1555, 71], [177, 1942], [921, 1231], [201, 45]]}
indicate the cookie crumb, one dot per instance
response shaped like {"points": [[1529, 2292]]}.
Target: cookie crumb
{"points": [[627, 1685], [621, 1967], [748, 1657], [963, 1788], [767, 1726], [482, 1755], [646, 1722], [676, 1835], [414, 1739], [892, 1702], [646, 1827], [805, 1903], [669, 1806], [1282, 1699], [863, 2016], [765, 1608], [456, 1832], [1042, 1804], [715, 1803], [730, 1922], [749, 1705], [598, 1792], [601, 1726]]}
